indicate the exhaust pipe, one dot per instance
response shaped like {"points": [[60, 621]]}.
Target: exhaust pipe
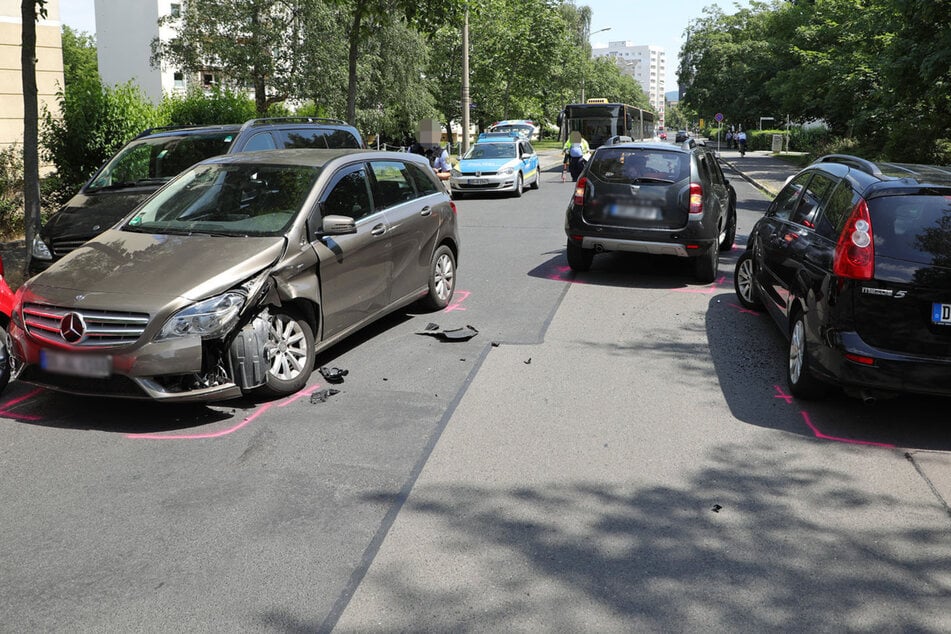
{"points": [[599, 248], [868, 398]]}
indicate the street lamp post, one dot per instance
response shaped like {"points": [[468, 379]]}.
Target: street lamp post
{"points": [[584, 63]]}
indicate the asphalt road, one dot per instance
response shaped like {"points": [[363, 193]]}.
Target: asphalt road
{"points": [[613, 451]]}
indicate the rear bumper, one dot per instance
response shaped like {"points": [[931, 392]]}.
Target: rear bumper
{"points": [[635, 246], [889, 372]]}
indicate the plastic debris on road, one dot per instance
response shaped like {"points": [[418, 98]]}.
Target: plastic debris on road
{"points": [[449, 334]]}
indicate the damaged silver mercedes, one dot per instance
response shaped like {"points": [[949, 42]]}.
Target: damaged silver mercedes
{"points": [[231, 278]]}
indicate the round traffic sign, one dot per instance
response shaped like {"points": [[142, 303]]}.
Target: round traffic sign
{"points": [[718, 116]]}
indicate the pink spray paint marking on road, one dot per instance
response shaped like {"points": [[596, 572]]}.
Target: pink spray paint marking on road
{"points": [[743, 310], [782, 395], [816, 432], [848, 441], [707, 290], [457, 305], [5, 407], [563, 274], [224, 432]]}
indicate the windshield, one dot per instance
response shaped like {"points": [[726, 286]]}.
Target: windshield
{"points": [[491, 151], [159, 158], [639, 165], [244, 199]]}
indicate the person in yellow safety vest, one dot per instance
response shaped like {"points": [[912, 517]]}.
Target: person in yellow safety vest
{"points": [[576, 154]]}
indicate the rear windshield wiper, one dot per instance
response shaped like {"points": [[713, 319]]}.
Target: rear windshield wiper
{"points": [[648, 179]]}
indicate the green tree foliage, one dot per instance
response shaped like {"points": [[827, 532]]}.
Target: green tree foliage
{"points": [[220, 106], [877, 71], [93, 123], [79, 57], [253, 43]]}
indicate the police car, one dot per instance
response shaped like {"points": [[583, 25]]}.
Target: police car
{"points": [[498, 162]]}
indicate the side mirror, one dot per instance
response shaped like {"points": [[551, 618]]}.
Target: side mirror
{"points": [[338, 225]]}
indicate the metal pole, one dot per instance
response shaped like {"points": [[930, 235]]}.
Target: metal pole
{"points": [[465, 83]]}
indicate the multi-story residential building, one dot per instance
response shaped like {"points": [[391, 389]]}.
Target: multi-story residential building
{"points": [[49, 67], [646, 64], [125, 30]]}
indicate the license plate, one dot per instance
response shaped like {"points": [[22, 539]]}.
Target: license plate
{"points": [[941, 314], [638, 212], [478, 181], [89, 365]]}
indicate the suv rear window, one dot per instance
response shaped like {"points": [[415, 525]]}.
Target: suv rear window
{"points": [[914, 228], [621, 165]]}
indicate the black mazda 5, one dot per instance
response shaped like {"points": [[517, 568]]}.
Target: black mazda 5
{"points": [[853, 262]]}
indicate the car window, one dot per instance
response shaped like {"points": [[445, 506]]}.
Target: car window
{"points": [[228, 199], [260, 141], [836, 211], [813, 195], [349, 194], [424, 184], [391, 184], [341, 139], [915, 228], [303, 138], [629, 165], [785, 203]]}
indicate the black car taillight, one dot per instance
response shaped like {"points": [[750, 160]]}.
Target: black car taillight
{"points": [[580, 187], [855, 252]]}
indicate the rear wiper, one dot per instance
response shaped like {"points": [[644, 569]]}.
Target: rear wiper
{"points": [[648, 179]]}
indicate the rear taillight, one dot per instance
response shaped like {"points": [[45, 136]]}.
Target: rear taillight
{"points": [[696, 201], [454, 210], [854, 253], [580, 186]]}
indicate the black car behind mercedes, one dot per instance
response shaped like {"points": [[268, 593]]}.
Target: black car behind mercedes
{"points": [[853, 262]]}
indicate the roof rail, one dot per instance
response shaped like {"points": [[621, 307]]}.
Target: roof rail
{"points": [[171, 128], [852, 161], [267, 120]]}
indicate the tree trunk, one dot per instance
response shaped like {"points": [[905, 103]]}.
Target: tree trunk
{"points": [[31, 155], [352, 64]]}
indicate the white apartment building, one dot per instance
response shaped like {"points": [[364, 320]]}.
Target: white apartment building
{"points": [[646, 64], [124, 33], [49, 67]]}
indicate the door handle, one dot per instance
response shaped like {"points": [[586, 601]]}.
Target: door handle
{"points": [[426, 211], [378, 230]]}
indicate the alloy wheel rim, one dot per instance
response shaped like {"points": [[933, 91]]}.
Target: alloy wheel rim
{"points": [[443, 277], [745, 279], [796, 352], [287, 350]]}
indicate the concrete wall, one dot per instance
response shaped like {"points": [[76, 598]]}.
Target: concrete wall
{"points": [[49, 67]]}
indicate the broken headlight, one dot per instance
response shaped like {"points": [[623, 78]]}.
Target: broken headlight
{"points": [[209, 319]]}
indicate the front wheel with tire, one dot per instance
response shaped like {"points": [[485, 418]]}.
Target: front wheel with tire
{"points": [[442, 279], [802, 383], [289, 352], [579, 259], [744, 282], [519, 186], [705, 266]]}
